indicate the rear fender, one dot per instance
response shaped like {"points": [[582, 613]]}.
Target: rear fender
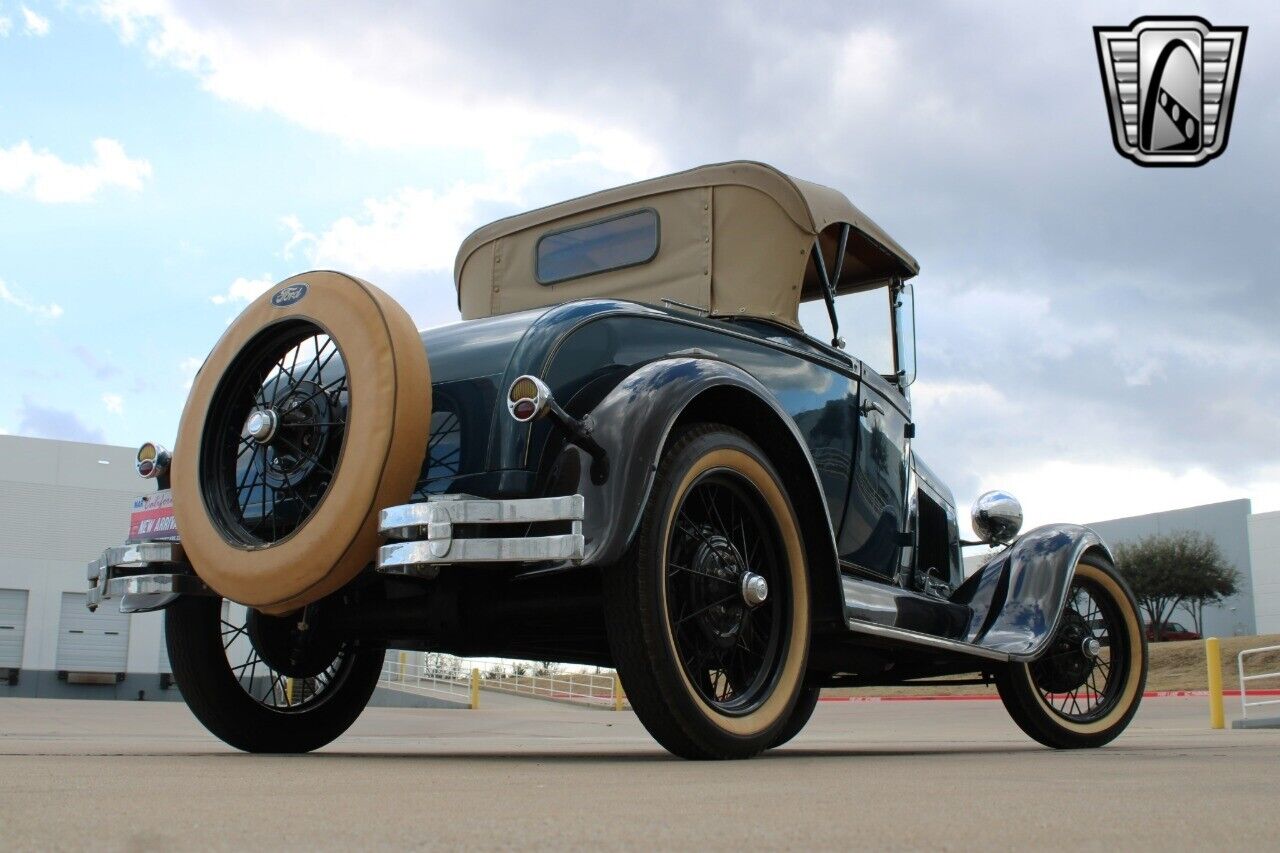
{"points": [[633, 423], [1018, 597]]}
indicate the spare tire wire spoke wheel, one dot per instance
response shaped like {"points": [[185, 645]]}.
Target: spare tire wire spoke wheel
{"points": [[310, 415], [272, 453], [709, 618], [1086, 686]]}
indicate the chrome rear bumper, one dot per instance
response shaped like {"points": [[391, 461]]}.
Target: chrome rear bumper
{"points": [[121, 573], [428, 541]]}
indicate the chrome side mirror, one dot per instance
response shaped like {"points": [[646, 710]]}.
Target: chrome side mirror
{"points": [[996, 517]]}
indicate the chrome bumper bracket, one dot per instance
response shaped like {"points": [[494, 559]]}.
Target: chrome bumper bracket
{"points": [[115, 575], [427, 540]]}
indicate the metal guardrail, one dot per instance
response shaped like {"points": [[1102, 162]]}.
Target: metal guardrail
{"points": [[413, 675], [1245, 704], [462, 679], [589, 688]]}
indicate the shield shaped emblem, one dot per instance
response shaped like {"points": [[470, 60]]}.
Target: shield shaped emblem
{"points": [[1171, 86]]}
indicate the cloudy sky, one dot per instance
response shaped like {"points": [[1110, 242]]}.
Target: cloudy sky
{"points": [[1099, 338]]}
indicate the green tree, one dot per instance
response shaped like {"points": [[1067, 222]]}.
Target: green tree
{"points": [[1169, 570]]}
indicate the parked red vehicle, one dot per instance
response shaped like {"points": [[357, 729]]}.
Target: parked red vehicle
{"points": [[1170, 631]]}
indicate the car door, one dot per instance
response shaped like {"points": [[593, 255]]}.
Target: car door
{"points": [[875, 514]]}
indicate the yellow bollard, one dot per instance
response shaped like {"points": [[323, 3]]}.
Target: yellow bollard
{"points": [[618, 696], [288, 691], [1213, 659], [403, 656], [475, 689]]}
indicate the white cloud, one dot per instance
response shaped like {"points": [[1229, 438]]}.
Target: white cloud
{"points": [[413, 230], [1080, 492], [417, 230], [34, 25], [114, 403], [5, 26], [866, 59], [188, 368], [244, 290], [393, 87], [45, 177], [43, 421], [52, 311]]}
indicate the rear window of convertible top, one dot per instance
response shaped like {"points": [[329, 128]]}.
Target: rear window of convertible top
{"points": [[620, 241]]}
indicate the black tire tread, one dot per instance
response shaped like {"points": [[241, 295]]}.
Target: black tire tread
{"points": [[806, 704]]}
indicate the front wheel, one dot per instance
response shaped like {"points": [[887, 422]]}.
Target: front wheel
{"points": [[262, 683], [800, 714], [1087, 686], [709, 618]]}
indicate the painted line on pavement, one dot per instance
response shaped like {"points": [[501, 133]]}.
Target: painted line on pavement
{"points": [[978, 697]]}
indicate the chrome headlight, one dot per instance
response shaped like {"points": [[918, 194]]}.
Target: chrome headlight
{"points": [[996, 517]]}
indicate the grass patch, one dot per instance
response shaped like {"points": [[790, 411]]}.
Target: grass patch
{"points": [[1174, 666]]}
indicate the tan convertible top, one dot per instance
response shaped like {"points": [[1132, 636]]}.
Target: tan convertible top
{"points": [[734, 240]]}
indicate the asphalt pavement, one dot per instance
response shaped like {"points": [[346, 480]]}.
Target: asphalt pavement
{"points": [[540, 775]]}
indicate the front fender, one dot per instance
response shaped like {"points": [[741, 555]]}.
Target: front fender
{"points": [[1018, 597]]}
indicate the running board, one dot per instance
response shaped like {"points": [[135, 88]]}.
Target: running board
{"points": [[902, 615], [917, 639]]}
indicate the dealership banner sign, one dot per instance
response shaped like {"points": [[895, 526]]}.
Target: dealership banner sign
{"points": [[152, 518]]}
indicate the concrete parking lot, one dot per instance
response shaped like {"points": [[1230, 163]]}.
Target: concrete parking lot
{"points": [[900, 775]]}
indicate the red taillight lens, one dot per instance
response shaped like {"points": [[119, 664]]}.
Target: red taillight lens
{"points": [[524, 410]]}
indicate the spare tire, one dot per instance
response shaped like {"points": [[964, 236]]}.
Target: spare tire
{"points": [[310, 415]]}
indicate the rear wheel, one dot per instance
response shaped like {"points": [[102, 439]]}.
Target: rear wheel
{"points": [[709, 619], [1087, 686], [261, 683]]}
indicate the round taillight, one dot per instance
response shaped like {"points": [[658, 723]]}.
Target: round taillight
{"points": [[152, 461], [524, 409], [527, 398]]}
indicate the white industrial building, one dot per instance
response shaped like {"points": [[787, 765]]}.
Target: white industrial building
{"points": [[1264, 554], [62, 502]]}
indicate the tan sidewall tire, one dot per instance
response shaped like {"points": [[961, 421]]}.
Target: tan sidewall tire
{"points": [[382, 451], [1137, 656], [1034, 715], [776, 708]]}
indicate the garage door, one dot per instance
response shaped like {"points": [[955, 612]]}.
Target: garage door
{"points": [[13, 627], [91, 642]]}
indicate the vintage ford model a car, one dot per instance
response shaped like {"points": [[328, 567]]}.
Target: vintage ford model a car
{"points": [[628, 453]]}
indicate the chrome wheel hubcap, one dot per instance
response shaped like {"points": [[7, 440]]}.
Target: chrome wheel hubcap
{"points": [[262, 424], [755, 589]]}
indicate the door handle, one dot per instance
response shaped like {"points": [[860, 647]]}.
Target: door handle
{"points": [[869, 406]]}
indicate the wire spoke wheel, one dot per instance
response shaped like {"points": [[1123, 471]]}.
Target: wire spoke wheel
{"points": [[1077, 678], [729, 649], [274, 676], [709, 617], [1087, 684], [274, 442], [266, 683]]}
